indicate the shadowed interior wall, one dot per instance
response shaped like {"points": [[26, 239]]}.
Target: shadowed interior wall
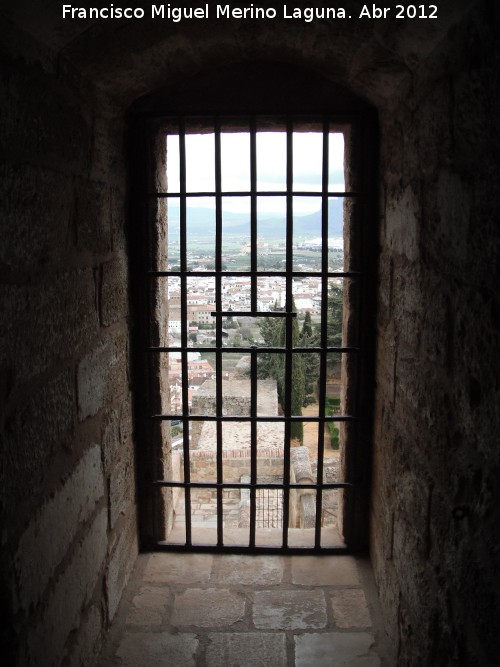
{"points": [[435, 503], [67, 480]]}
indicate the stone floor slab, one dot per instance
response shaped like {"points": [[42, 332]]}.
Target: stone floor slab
{"points": [[248, 570], [246, 649], [320, 571], [335, 649], [289, 610], [170, 568], [147, 607], [350, 609], [207, 608], [158, 649]]}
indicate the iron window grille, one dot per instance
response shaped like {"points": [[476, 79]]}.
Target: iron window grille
{"points": [[355, 274]]}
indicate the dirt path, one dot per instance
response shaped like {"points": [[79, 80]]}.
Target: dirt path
{"points": [[311, 435]]}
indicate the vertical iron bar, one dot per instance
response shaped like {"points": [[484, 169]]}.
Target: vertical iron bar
{"points": [[253, 445], [218, 329], [184, 356], [153, 363], [324, 335], [289, 327], [253, 305], [253, 214]]}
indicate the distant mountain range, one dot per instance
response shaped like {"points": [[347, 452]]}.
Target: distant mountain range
{"points": [[201, 222]]}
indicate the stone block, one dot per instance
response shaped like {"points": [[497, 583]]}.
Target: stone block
{"points": [[31, 438], [289, 610], [93, 217], [248, 570], [41, 122], [174, 568], [35, 216], [350, 609], [71, 592], [325, 571], [49, 535], [207, 608], [252, 649], [110, 437], [403, 223], [119, 567], [148, 606], [126, 422], [118, 219], [48, 320], [161, 649], [89, 642], [334, 648], [101, 376], [114, 292], [121, 486]]}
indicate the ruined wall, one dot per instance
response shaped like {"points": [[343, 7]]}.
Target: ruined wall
{"points": [[435, 509], [66, 475]]}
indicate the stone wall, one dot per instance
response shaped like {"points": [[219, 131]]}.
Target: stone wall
{"points": [[65, 418], [235, 464], [66, 474], [435, 509]]}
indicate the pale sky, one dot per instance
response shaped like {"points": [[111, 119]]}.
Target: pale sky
{"points": [[271, 167]]}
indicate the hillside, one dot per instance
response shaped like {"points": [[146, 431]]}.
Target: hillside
{"points": [[201, 222]]}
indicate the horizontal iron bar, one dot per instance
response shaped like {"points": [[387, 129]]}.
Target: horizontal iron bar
{"points": [[257, 550], [253, 348], [249, 274], [248, 193], [240, 485], [250, 313], [246, 418]]}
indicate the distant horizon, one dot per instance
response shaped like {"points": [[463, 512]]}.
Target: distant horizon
{"points": [[201, 221], [271, 166]]}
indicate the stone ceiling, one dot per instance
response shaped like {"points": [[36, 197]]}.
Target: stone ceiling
{"points": [[129, 58]]}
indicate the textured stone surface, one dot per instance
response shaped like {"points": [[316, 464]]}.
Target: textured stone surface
{"points": [[100, 374], [207, 608], [235, 623], [350, 609], [147, 607], [48, 320], [89, 641], [32, 437], [145, 649], [72, 591], [340, 572], [110, 437], [177, 569], [114, 292], [35, 215], [57, 253], [289, 610], [249, 649], [39, 553], [249, 571], [119, 566], [334, 649], [121, 486]]}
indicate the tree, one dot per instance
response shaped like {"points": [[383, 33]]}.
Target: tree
{"points": [[193, 337], [307, 331], [309, 337], [334, 324], [273, 331]]}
